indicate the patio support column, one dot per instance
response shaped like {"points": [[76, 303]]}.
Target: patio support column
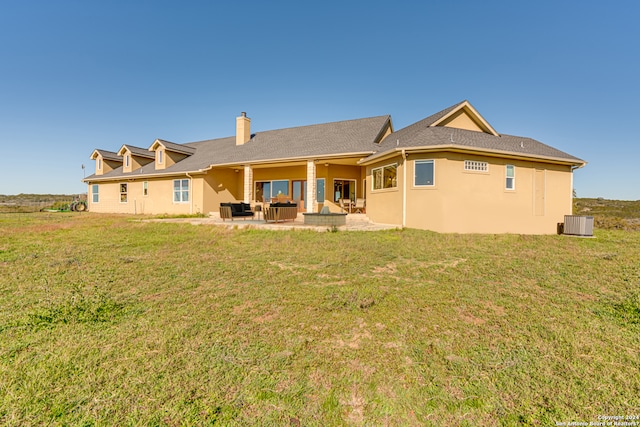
{"points": [[310, 197], [248, 183]]}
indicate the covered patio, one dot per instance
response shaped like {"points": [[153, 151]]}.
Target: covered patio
{"points": [[337, 183]]}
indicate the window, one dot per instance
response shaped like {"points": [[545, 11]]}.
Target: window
{"points": [[126, 160], [424, 173], [266, 190], [320, 190], [385, 177], [99, 164], [510, 173], [472, 165], [123, 192], [180, 190], [279, 187], [95, 193], [160, 153], [145, 188]]}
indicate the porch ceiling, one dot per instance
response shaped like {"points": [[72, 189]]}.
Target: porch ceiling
{"points": [[352, 161]]}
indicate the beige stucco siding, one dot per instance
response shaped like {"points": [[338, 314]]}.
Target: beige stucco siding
{"points": [[278, 173], [219, 185], [384, 206], [477, 202], [158, 201], [462, 121]]}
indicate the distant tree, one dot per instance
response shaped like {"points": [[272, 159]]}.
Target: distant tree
{"points": [[575, 194]]}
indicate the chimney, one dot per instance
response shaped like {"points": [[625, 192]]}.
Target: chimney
{"points": [[243, 129]]}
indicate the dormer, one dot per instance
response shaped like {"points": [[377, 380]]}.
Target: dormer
{"points": [[168, 153], [134, 158], [106, 161]]}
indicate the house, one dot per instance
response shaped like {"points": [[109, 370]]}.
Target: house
{"points": [[450, 172]]}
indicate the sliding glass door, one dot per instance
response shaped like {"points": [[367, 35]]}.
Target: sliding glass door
{"points": [[299, 192], [344, 189], [267, 190]]}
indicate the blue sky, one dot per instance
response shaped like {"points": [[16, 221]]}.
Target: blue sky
{"points": [[80, 75]]}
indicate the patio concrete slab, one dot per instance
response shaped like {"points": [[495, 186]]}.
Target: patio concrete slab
{"points": [[355, 222]]}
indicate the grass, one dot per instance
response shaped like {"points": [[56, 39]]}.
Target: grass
{"points": [[610, 214], [27, 203], [105, 320]]}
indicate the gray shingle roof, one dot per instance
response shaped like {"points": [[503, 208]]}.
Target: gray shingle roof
{"points": [[358, 137], [140, 152], [432, 137], [423, 134], [177, 148], [437, 116], [109, 155]]}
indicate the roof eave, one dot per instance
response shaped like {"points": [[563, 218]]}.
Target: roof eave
{"points": [[188, 151], [291, 159], [472, 150], [145, 175]]}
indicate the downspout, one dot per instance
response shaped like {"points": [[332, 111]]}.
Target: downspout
{"points": [[191, 193], [404, 189], [571, 189]]}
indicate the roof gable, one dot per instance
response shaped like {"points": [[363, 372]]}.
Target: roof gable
{"points": [[172, 146], [106, 155], [135, 151], [461, 127], [464, 116]]}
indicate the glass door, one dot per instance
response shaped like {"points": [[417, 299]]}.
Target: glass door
{"points": [[344, 189], [299, 193]]}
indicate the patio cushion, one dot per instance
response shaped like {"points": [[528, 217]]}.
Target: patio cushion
{"points": [[239, 209]]}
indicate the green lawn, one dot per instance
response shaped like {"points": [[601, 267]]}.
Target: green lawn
{"points": [[105, 320]]}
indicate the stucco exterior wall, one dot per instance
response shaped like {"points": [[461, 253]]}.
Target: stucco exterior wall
{"points": [[158, 201], [219, 186], [384, 206], [462, 121], [473, 201], [477, 202]]}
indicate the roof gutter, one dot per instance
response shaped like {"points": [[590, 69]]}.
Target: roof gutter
{"points": [[152, 175], [464, 149]]}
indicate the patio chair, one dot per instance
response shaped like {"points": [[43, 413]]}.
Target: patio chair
{"points": [[225, 213], [359, 207], [345, 205]]}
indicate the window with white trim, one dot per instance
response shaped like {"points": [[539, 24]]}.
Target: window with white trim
{"points": [[95, 193], [473, 165], [99, 163], [385, 177], [124, 190], [510, 174], [160, 153], [126, 160], [145, 188], [424, 173], [180, 190]]}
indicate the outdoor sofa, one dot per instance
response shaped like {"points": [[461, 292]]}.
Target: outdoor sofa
{"points": [[235, 210], [281, 212]]}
